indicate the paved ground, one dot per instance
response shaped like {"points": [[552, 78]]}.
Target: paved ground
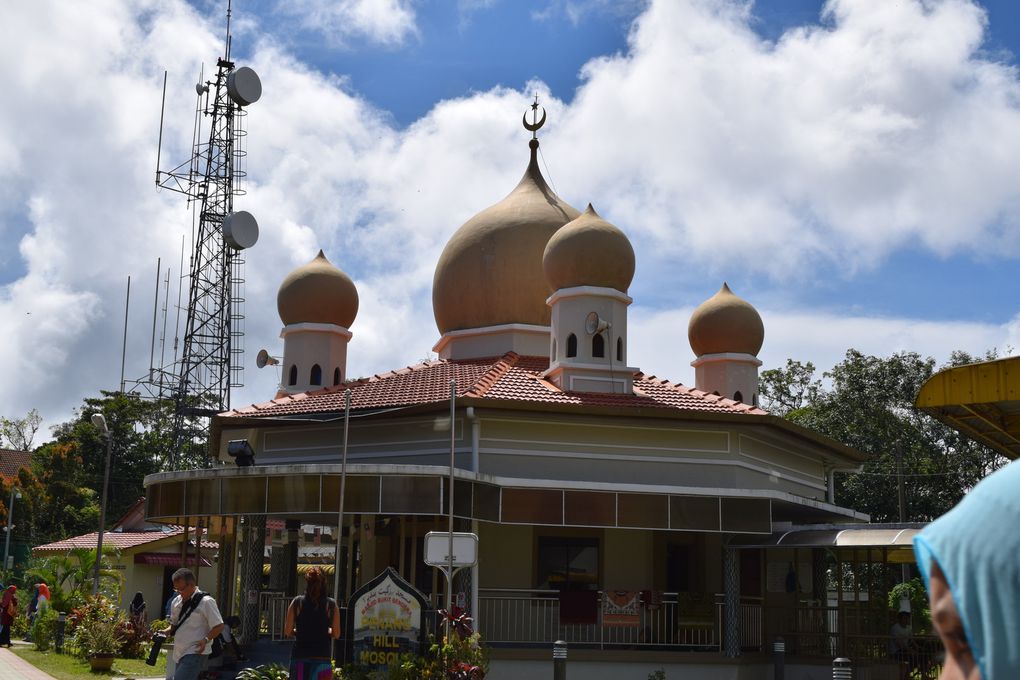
{"points": [[13, 667]]}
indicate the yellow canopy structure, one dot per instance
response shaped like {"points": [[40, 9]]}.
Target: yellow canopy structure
{"points": [[980, 400]]}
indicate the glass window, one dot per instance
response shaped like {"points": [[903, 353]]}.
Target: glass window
{"points": [[566, 563], [619, 349], [316, 377], [737, 396], [336, 375], [571, 345], [293, 375], [598, 346]]}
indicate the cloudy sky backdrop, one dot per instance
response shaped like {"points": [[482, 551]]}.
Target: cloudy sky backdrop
{"points": [[850, 167]]}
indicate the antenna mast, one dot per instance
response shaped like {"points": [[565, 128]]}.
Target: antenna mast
{"points": [[199, 381]]}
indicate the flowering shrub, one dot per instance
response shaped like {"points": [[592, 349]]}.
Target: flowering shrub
{"points": [[95, 628], [131, 640]]}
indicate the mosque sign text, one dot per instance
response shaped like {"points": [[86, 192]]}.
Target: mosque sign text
{"points": [[387, 619]]}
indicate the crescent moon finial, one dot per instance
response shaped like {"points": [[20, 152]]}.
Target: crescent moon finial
{"points": [[535, 123]]}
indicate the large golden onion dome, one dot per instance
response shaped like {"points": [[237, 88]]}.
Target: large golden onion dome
{"points": [[318, 292], [589, 251], [490, 272], [725, 323]]}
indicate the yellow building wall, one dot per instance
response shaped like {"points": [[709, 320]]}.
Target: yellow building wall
{"points": [[505, 556]]}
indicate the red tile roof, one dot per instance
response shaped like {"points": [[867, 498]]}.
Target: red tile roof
{"points": [[122, 540], [11, 461], [510, 377]]}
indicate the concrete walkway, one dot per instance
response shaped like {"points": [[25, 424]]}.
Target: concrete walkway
{"points": [[13, 667]]}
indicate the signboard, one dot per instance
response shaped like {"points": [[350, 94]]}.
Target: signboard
{"points": [[387, 619], [437, 549]]}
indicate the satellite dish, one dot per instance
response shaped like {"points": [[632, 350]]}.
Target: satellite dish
{"points": [[244, 86], [240, 230], [594, 324], [262, 359], [201, 88]]}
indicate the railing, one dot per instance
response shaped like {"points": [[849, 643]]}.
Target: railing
{"points": [[273, 612], [525, 617], [511, 617]]}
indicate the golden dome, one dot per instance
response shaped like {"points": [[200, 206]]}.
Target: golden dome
{"points": [[490, 272], [725, 323], [317, 292], [589, 252]]}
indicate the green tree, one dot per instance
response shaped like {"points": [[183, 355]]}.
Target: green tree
{"points": [[142, 436], [59, 499], [19, 433], [866, 402]]}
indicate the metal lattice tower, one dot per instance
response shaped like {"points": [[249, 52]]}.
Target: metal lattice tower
{"points": [[209, 365]]}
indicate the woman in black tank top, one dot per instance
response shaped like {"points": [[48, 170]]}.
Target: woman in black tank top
{"points": [[314, 620]]}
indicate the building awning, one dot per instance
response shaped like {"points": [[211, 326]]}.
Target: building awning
{"points": [[980, 400], [897, 540], [168, 560], [310, 492]]}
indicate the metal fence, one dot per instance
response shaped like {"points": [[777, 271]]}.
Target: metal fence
{"points": [[523, 617]]}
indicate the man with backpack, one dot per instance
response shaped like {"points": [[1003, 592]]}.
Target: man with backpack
{"points": [[196, 622]]}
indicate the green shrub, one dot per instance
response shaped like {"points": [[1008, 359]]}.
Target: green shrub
{"points": [[20, 626], [914, 591], [44, 628]]}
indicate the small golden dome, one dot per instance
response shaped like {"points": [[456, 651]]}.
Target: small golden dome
{"points": [[589, 251], [318, 292], [490, 272], [725, 323]]}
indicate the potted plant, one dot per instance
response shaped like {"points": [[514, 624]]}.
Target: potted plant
{"points": [[97, 632]]}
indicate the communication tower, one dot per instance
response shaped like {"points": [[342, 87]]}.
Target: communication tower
{"points": [[199, 380]]}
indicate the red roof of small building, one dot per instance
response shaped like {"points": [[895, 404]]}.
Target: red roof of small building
{"points": [[510, 377], [11, 461], [122, 540]]}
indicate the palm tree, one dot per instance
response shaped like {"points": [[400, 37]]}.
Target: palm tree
{"points": [[70, 576]]}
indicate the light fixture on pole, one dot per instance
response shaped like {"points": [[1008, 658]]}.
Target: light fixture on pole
{"points": [[9, 529], [100, 423]]}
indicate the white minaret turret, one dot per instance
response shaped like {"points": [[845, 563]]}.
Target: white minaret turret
{"points": [[317, 304], [589, 264], [726, 334]]}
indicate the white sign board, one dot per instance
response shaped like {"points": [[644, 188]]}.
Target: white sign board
{"points": [[437, 549]]}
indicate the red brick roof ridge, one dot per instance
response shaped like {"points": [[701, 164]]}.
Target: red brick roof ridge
{"points": [[492, 376], [350, 385]]}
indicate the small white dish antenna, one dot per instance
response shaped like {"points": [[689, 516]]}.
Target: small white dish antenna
{"points": [[244, 86], [201, 88], [594, 324], [263, 359], [240, 230]]}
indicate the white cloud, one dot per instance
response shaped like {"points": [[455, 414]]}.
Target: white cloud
{"points": [[883, 129], [388, 22], [717, 152]]}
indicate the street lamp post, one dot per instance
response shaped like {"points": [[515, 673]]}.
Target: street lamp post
{"points": [[15, 493], [100, 422]]}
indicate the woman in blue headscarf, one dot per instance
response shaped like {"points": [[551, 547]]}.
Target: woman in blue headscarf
{"points": [[970, 560]]}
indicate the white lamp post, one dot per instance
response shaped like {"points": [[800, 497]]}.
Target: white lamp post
{"points": [[15, 493], [100, 422]]}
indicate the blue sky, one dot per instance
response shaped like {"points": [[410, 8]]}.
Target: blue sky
{"points": [[853, 175], [465, 47]]}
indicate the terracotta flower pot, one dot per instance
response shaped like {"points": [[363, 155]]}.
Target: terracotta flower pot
{"points": [[102, 662]]}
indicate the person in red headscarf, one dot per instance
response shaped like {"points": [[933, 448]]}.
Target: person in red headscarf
{"points": [[8, 610]]}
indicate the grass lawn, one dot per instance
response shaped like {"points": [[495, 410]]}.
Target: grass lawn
{"points": [[67, 667]]}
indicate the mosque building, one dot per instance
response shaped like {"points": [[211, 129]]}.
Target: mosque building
{"points": [[589, 482]]}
